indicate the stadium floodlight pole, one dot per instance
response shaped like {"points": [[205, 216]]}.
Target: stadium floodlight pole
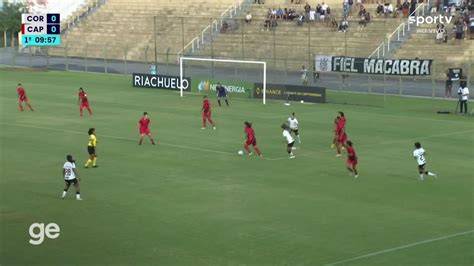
{"points": [[181, 70]]}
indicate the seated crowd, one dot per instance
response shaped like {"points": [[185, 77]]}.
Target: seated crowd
{"points": [[321, 13]]}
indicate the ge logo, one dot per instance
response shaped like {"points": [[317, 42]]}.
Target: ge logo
{"points": [[51, 231]]}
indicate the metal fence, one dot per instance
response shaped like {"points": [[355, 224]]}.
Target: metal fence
{"points": [[428, 86]]}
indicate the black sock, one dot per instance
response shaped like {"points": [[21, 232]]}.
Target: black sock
{"points": [[219, 102], [226, 102]]}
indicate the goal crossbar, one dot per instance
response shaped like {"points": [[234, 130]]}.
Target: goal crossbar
{"points": [[181, 70]]}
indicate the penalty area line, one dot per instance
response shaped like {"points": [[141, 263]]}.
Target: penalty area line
{"points": [[400, 248]]}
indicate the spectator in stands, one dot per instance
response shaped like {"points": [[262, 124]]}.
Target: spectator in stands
{"points": [[459, 29], [300, 20], [292, 14], [388, 9], [304, 75], [324, 7], [379, 9], [279, 13], [323, 12], [334, 24], [449, 85], [344, 25], [318, 11], [452, 10], [225, 27], [439, 33], [328, 15], [266, 24], [258, 2], [248, 18], [345, 7], [351, 3], [153, 69], [273, 13], [273, 23], [312, 15], [465, 24], [362, 10], [307, 8], [362, 21], [269, 13], [471, 26], [405, 8], [286, 14]]}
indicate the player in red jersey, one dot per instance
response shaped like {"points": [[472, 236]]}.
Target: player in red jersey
{"points": [[206, 113], [334, 139], [340, 122], [83, 101], [144, 128], [351, 159], [22, 98], [342, 119], [250, 139], [341, 140]]}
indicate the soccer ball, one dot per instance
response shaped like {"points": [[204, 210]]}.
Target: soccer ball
{"points": [[302, 101], [240, 152]]}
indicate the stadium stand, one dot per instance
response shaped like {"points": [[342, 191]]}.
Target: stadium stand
{"points": [[422, 44], [287, 45], [122, 29]]}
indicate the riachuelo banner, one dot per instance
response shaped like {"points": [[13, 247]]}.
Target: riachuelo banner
{"points": [[374, 66], [235, 88], [143, 80]]}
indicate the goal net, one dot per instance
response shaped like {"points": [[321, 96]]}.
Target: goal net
{"points": [[238, 76]]}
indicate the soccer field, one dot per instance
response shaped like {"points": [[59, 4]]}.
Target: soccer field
{"points": [[191, 200]]}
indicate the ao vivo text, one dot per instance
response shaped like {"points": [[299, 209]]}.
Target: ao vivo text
{"points": [[39, 230]]}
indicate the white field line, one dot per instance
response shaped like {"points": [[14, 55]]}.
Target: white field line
{"points": [[226, 152], [399, 248], [231, 153], [123, 138]]}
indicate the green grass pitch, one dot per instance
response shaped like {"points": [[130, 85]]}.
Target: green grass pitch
{"points": [[191, 200]]}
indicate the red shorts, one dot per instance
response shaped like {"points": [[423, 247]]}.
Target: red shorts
{"points": [[342, 139], [144, 131], [352, 163], [84, 104], [251, 142], [206, 114], [24, 99]]}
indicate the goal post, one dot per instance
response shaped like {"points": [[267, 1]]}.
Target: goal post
{"points": [[183, 59]]}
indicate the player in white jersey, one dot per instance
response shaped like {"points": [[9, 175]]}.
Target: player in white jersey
{"points": [[419, 155], [293, 124], [289, 140], [71, 177]]}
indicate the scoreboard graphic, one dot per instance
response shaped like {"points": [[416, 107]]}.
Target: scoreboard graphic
{"points": [[40, 30]]}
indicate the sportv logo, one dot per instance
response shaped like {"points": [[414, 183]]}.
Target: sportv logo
{"points": [[429, 19]]}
